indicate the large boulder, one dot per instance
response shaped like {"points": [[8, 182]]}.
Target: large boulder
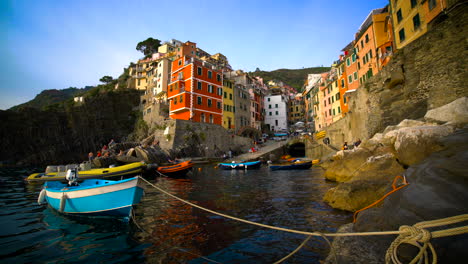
{"points": [[455, 112], [344, 169], [413, 144], [372, 180]]}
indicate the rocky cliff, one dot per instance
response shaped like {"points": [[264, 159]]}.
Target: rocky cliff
{"points": [[67, 132]]}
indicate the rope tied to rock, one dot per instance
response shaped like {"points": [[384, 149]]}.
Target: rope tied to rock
{"points": [[418, 236]]}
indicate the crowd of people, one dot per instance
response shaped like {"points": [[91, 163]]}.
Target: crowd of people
{"points": [[355, 144]]}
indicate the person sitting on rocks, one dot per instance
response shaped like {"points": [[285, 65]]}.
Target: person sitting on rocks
{"points": [[121, 153], [98, 154], [90, 156], [345, 146], [357, 143]]}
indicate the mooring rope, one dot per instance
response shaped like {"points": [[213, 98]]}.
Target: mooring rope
{"points": [[407, 234]]}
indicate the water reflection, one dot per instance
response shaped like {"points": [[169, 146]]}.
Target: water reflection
{"points": [[179, 233]]}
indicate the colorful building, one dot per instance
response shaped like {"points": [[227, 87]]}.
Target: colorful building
{"points": [[195, 90], [228, 105], [296, 109], [276, 104], [369, 36], [408, 20]]}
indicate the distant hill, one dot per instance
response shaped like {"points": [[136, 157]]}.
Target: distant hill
{"points": [[294, 78], [53, 96]]}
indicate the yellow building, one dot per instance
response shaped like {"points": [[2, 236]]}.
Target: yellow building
{"points": [[138, 72], [296, 109], [409, 22], [228, 105]]}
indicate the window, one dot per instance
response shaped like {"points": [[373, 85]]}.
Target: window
{"points": [[199, 100], [354, 57], [414, 3], [334, 111], [211, 119], [333, 99], [342, 83], [174, 101], [218, 77], [225, 95], [344, 99], [350, 78], [220, 91], [269, 113], [337, 96], [218, 104], [329, 112], [199, 85], [355, 76], [181, 98], [269, 106], [209, 103], [432, 4], [339, 110], [199, 71], [210, 88], [399, 15], [210, 74], [416, 22], [276, 112], [401, 34], [180, 62], [230, 96], [370, 54], [202, 118], [329, 100], [362, 44], [276, 105], [268, 99], [347, 62], [276, 122], [367, 38]]}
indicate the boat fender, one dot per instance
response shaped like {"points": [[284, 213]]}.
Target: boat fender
{"points": [[63, 201], [41, 199]]}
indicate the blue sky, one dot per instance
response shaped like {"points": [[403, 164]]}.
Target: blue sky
{"points": [[60, 44]]}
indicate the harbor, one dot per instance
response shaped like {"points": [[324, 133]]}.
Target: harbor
{"points": [[166, 230]]}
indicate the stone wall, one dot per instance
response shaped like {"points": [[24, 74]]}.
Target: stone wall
{"points": [[198, 139], [427, 73]]}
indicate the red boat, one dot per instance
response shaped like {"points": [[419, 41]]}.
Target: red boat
{"points": [[176, 170]]}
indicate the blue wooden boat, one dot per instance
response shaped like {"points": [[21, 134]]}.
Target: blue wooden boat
{"points": [[240, 165], [296, 165], [93, 197]]}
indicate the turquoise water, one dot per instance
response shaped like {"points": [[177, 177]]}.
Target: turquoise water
{"points": [[168, 231]]}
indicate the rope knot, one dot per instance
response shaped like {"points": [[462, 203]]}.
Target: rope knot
{"points": [[414, 233]]}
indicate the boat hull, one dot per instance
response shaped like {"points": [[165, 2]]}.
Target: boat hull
{"points": [[119, 171], [176, 170], [240, 166], [292, 166], [104, 198]]}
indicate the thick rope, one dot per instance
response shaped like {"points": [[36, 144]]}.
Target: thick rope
{"points": [[407, 234]]}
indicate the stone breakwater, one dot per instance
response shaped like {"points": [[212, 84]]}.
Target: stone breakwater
{"points": [[431, 153]]}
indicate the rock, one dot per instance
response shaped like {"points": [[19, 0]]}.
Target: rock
{"points": [[438, 189], [413, 144], [370, 182], [354, 249], [455, 112], [342, 170]]}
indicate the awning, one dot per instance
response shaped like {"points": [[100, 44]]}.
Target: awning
{"points": [[348, 93]]}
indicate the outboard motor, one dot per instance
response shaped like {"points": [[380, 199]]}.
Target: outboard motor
{"points": [[72, 177]]}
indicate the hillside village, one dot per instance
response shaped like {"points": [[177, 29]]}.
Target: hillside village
{"points": [[182, 81]]}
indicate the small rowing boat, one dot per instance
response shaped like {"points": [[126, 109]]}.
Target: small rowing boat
{"points": [[240, 165], [92, 197], [176, 170], [296, 165]]}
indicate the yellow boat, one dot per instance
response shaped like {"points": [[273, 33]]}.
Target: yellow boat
{"points": [[124, 170]]}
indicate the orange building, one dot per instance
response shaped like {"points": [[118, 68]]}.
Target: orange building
{"points": [[195, 90], [432, 8]]}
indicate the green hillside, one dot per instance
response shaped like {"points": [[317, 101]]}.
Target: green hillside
{"points": [[294, 78], [53, 96]]}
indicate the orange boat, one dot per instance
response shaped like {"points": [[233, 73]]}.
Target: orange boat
{"points": [[176, 170]]}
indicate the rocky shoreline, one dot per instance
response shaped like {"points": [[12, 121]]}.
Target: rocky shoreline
{"points": [[431, 153]]}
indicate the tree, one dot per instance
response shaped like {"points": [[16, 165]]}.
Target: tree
{"points": [[257, 70], [106, 79], [148, 46]]}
